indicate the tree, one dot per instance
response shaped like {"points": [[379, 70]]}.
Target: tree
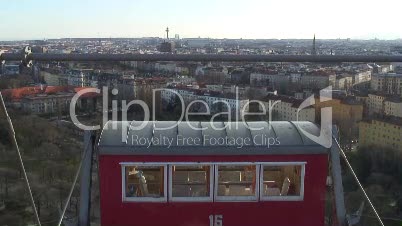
{"points": [[6, 176], [380, 173]]}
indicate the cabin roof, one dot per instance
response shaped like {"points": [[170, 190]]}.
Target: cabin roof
{"points": [[208, 138]]}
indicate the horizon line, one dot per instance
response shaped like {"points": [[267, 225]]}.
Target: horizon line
{"points": [[156, 37]]}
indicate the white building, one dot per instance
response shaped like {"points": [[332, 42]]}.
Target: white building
{"points": [[165, 67], [286, 108], [81, 78], [344, 82], [230, 103], [376, 104], [186, 80], [266, 79], [393, 107], [362, 76], [318, 80], [389, 83]]}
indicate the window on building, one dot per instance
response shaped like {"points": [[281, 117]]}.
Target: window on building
{"points": [[282, 182], [190, 182], [236, 182], [144, 182]]}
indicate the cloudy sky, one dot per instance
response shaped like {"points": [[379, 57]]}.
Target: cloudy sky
{"points": [[39, 19]]}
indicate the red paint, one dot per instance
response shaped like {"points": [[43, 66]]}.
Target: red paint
{"points": [[309, 212]]}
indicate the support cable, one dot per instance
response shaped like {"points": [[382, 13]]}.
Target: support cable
{"points": [[358, 182], [15, 143], [74, 182]]}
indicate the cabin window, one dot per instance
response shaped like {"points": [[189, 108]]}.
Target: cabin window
{"points": [[236, 182], [144, 182], [190, 182], [282, 182], [181, 182]]}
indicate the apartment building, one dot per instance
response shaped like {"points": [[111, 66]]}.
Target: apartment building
{"points": [[385, 132], [393, 107], [216, 101], [347, 111], [375, 103], [50, 99], [389, 83], [286, 108]]}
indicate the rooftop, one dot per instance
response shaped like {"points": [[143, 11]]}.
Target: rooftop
{"points": [[388, 75], [394, 99], [287, 99], [200, 92], [393, 120], [218, 138], [33, 91]]}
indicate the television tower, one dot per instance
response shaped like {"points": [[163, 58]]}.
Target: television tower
{"points": [[167, 33]]}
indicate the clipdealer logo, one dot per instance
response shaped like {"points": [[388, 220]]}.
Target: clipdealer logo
{"points": [[205, 140], [324, 138]]}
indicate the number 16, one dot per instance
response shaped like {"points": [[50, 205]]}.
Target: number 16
{"points": [[215, 220]]}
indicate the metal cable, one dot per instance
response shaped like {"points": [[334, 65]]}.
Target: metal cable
{"points": [[74, 182], [14, 139], [198, 57], [358, 182]]}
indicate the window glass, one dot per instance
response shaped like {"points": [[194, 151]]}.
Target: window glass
{"points": [[281, 180], [191, 181], [144, 181], [236, 180]]}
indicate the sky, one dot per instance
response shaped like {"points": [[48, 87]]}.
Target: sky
{"points": [[247, 19]]}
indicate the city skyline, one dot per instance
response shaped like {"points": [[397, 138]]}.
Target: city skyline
{"points": [[207, 19]]}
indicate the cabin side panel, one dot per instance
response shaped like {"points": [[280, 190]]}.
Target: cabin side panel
{"points": [[310, 211]]}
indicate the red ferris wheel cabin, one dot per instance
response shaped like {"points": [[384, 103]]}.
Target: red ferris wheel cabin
{"points": [[212, 174]]}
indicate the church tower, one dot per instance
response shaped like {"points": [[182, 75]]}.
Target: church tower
{"points": [[314, 51]]}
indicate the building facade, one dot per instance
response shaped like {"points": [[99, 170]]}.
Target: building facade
{"points": [[269, 79], [389, 83], [376, 104], [46, 104], [381, 132], [50, 99], [318, 80], [216, 101], [393, 107], [346, 113], [286, 108]]}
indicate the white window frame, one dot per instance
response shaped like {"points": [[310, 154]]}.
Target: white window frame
{"points": [[143, 199], [191, 199], [214, 184], [300, 197], [236, 198]]}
